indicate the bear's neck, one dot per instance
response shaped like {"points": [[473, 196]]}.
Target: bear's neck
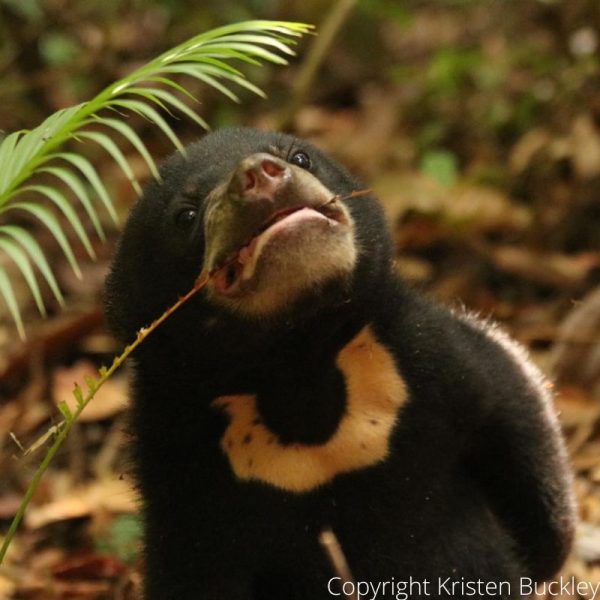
{"points": [[292, 371]]}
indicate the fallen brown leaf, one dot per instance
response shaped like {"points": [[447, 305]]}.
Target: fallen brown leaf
{"points": [[113, 495], [89, 566], [549, 268]]}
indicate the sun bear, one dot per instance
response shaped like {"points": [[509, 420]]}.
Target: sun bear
{"points": [[307, 388]]}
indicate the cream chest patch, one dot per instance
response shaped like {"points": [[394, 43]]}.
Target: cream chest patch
{"points": [[375, 394]]}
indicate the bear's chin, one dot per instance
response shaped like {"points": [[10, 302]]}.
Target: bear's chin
{"points": [[288, 262]]}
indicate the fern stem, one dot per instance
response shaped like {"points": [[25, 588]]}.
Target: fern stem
{"points": [[141, 75], [30, 167], [77, 120]]}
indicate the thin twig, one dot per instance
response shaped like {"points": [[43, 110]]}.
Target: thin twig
{"points": [[338, 198], [331, 545], [65, 426]]}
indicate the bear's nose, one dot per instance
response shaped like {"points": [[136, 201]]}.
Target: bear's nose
{"points": [[260, 176]]}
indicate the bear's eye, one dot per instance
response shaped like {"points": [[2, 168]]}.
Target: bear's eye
{"points": [[301, 159], [186, 218]]}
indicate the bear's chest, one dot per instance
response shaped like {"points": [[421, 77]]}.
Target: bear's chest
{"points": [[375, 393]]}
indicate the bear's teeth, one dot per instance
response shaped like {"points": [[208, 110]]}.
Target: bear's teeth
{"points": [[244, 255]]}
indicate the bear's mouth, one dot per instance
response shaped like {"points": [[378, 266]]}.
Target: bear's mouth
{"points": [[238, 270]]}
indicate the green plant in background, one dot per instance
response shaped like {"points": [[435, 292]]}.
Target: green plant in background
{"points": [[122, 538], [25, 154], [150, 91], [441, 166]]}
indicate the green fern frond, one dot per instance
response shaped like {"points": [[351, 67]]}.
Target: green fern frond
{"points": [[148, 92]]}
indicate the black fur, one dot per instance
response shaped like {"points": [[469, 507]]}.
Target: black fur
{"points": [[476, 485]]}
